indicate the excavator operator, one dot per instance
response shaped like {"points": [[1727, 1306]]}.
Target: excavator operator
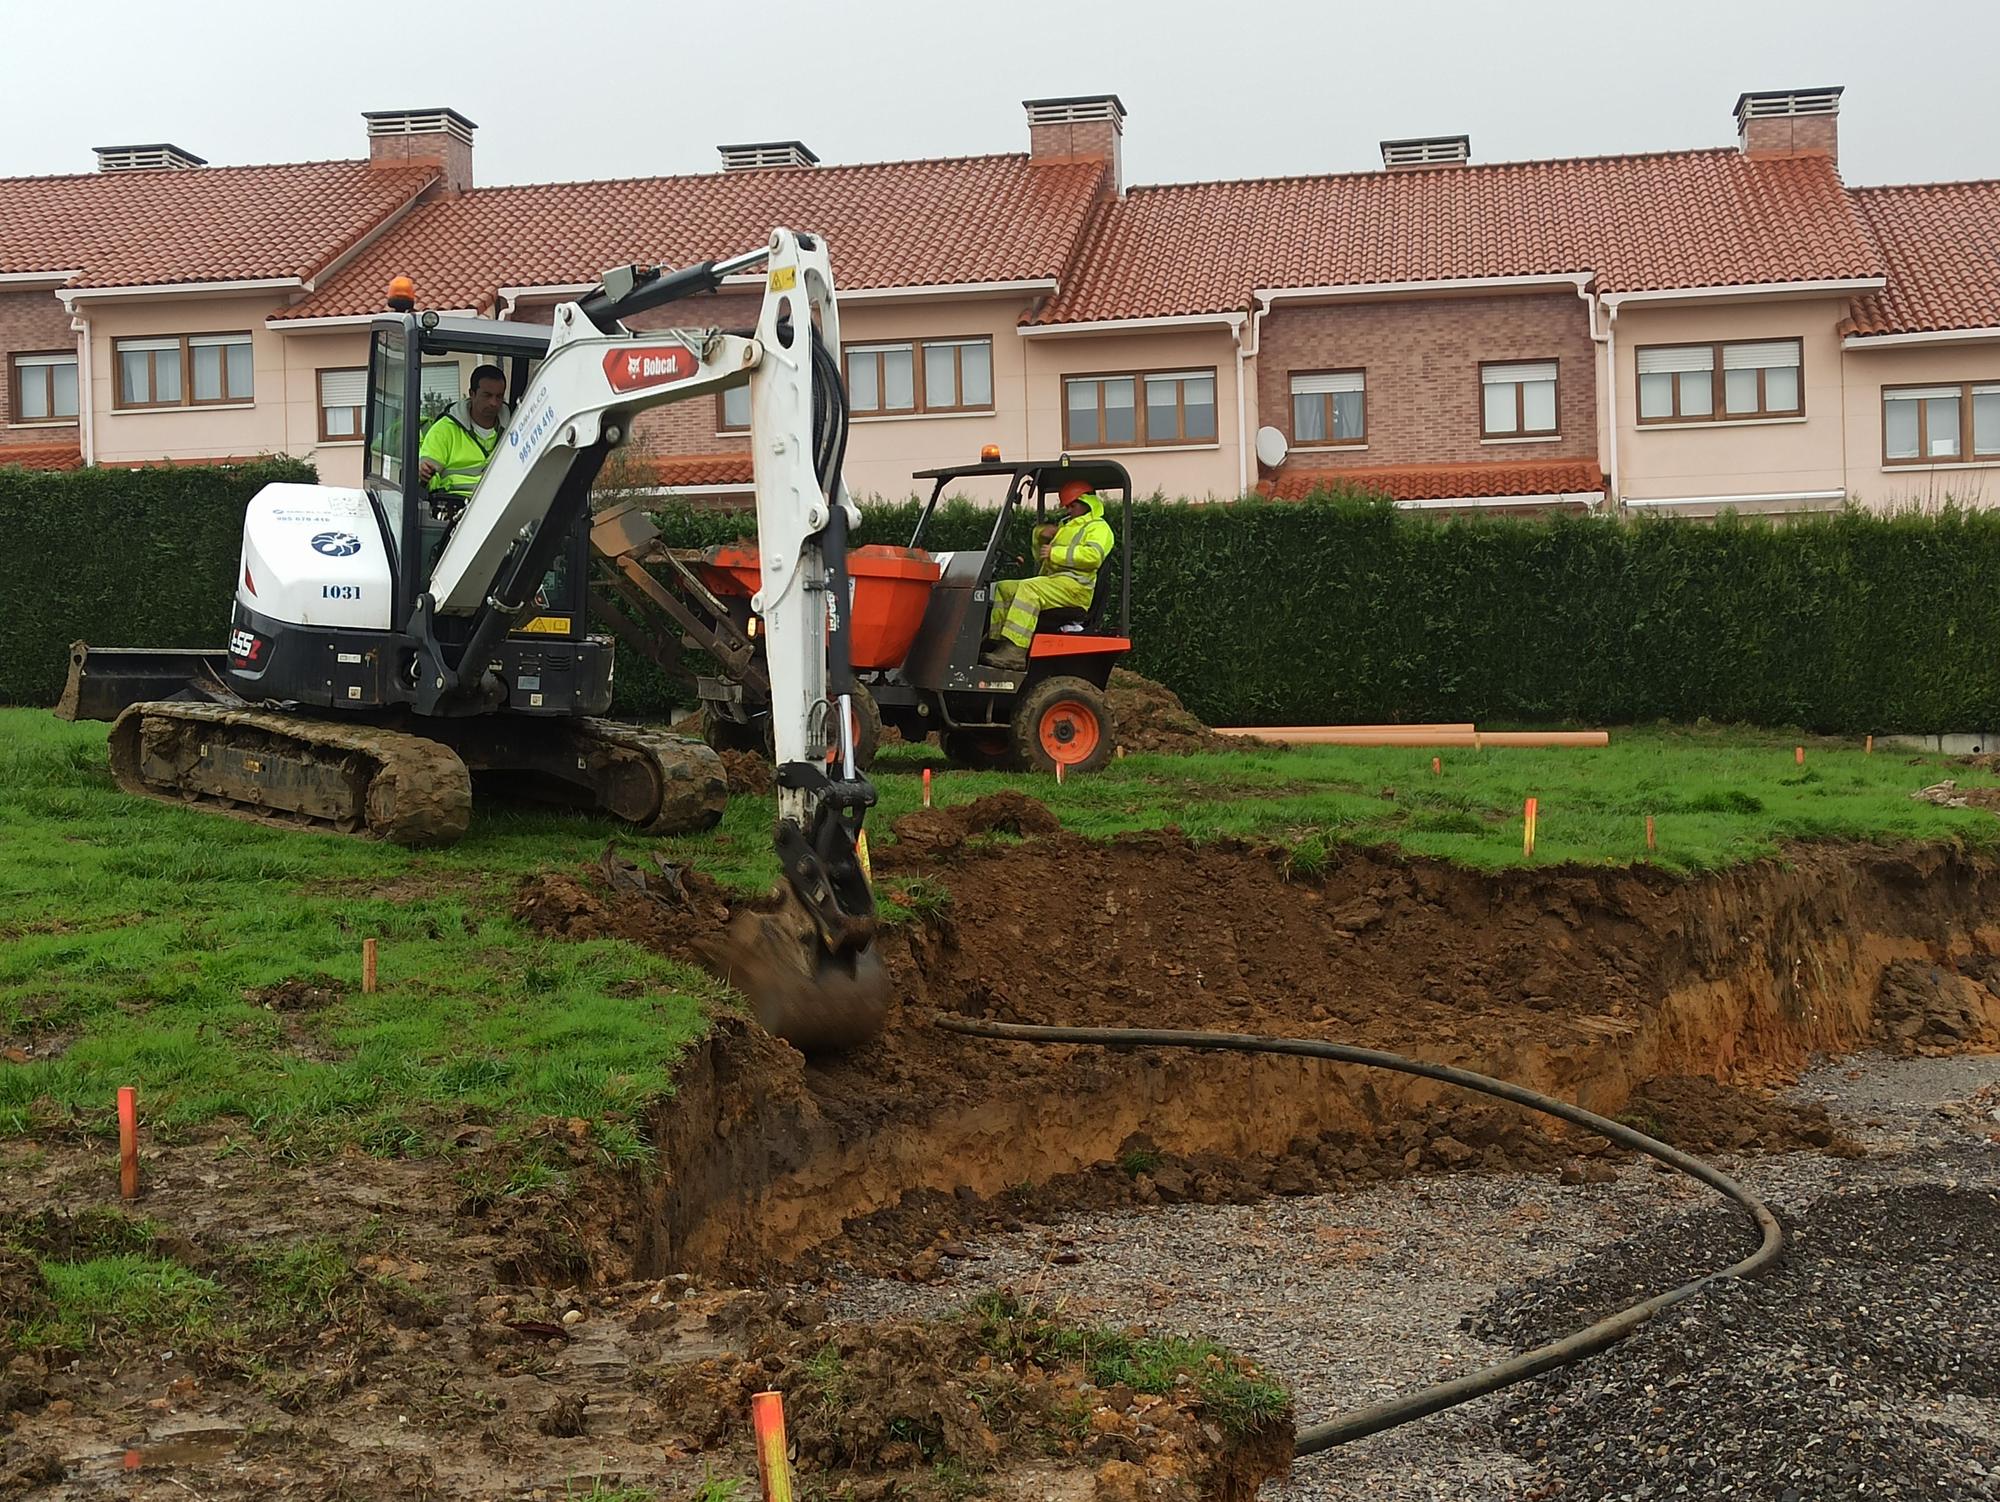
{"points": [[456, 447], [1066, 579]]}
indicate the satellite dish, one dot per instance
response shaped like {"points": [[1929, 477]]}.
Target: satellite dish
{"points": [[1271, 447]]}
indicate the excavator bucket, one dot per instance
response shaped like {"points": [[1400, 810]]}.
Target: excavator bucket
{"points": [[817, 1001]]}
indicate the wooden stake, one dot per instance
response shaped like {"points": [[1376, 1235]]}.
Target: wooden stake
{"points": [[128, 1142], [1059, 774], [1528, 812], [1437, 766], [1799, 755], [927, 787], [1651, 843], [1868, 749], [367, 967], [774, 1471]]}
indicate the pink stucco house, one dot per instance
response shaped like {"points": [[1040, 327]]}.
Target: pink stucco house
{"points": [[1689, 331]]}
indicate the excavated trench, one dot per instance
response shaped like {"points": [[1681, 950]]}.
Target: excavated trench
{"points": [[1586, 984]]}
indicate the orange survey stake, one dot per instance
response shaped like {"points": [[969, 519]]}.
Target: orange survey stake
{"points": [[774, 1471], [1528, 813], [128, 1142]]}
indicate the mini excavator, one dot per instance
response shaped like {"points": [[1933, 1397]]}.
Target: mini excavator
{"points": [[389, 641]]}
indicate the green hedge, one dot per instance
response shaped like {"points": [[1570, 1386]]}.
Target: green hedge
{"points": [[119, 557], [1334, 609]]}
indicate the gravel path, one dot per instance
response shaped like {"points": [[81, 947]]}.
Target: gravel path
{"points": [[1866, 1365]]}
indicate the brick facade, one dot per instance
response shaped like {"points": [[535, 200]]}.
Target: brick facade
{"points": [[1422, 358], [1791, 135], [30, 322], [693, 427]]}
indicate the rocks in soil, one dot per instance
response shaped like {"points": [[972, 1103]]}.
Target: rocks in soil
{"points": [[1925, 1008]]}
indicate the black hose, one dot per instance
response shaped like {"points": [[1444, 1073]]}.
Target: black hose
{"points": [[1358, 1423]]}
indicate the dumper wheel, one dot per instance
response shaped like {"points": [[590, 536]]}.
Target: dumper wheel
{"points": [[1060, 721]]}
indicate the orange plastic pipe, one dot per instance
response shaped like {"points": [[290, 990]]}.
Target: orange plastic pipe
{"points": [[1470, 739], [1271, 732]]}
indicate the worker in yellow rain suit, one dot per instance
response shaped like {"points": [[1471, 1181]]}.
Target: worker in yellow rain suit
{"points": [[1067, 578]]}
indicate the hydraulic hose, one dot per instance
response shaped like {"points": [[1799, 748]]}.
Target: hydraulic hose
{"points": [[1358, 1423]]}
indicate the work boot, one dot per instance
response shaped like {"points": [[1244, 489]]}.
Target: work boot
{"points": [[1008, 657]]}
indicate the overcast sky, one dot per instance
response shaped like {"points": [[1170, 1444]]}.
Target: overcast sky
{"points": [[1213, 88]]}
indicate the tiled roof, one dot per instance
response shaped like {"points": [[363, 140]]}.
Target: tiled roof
{"points": [[1680, 219], [41, 455], [1426, 482], [895, 224], [1941, 242], [199, 224], [672, 471]]}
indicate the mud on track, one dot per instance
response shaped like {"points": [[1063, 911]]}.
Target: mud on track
{"points": [[1595, 985]]}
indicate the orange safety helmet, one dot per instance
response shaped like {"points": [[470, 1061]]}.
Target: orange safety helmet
{"points": [[1072, 490]]}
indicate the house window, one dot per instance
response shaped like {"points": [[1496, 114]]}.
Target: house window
{"points": [[441, 383], [1140, 409], [1720, 382], [931, 375], [1517, 399], [183, 370], [342, 394], [733, 410], [45, 388], [1330, 406], [1940, 424]]}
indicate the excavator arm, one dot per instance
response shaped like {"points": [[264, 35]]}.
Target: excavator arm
{"points": [[807, 960]]}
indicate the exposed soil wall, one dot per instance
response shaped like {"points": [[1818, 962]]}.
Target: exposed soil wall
{"points": [[1583, 983]]}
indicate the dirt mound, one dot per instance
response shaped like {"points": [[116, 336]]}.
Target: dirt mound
{"points": [[897, 1403], [1148, 716], [1926, 1008], [670, 908], [747, 771], [933, 833], [298, 994], [1701, 1115]]}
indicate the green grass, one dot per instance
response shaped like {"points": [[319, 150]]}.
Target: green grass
{"points": [[1237, 1399], [140, 935], [124, 1295]]}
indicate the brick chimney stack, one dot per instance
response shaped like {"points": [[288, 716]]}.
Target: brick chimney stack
{"points": [[1789, 122], [1083, 128], [439, 138]]}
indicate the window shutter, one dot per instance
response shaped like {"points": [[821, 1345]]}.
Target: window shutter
{"points": [[342, 388], [202, 341], [1986, 390], [1670, 359], [1926, 393], [1507, 375], [133, 346], [1776, 353], [1327, 383], [27, 361]]}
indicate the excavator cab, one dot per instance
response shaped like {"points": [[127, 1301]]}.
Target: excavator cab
{"points": [[418, 366]]}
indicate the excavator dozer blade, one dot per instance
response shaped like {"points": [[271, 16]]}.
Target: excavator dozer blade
{"points": [[105, 681], [816, 1001]]}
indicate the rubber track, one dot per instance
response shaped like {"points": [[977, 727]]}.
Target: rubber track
{"points": [[693, 787], [417, 793]]}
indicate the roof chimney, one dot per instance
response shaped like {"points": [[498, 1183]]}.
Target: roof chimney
{"points": [[750, 156], [439, 138], [1080, 128], [1789, 122], [1427, 151], [145, 158]]}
